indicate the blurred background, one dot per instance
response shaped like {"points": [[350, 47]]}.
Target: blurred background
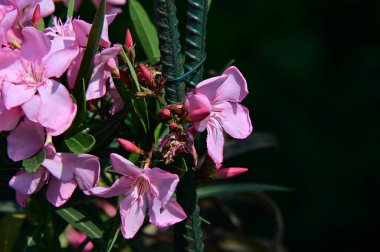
{"points": [[314, 78]]}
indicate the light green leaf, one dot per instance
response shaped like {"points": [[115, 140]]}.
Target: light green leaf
{"points": [[70, 8], [80, 221], [223, 189], [10, 229], [32, 164], [80, 143], [145, 30]]}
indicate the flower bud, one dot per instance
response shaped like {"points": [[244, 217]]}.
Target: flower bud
{"points": [[129, 146], [228, 172], [128, 39], [146, 73], [36, 16], [197, 115], [173, 125], [164, 114]]}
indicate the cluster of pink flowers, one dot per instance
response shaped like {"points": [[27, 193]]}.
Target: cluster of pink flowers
{"points": [[38, 71]]}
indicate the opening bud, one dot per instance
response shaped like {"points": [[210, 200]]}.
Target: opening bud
{"points": [[228, 172], [146, 73], [129, 146], [36, 16], [128, 39]]}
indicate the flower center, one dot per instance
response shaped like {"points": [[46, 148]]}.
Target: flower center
{"points": [[32, 74]]}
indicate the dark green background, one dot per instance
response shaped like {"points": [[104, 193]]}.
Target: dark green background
{"points": [[314, 76]]}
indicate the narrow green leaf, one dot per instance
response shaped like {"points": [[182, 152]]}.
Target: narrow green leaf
{"points": [[145, 30], [80, 143], [106, 131], [10, 229], [223, 189], [32, 164], [87, 64], [113, 239], [80, 221], [29, 240], [70, 8], [41, 25]]}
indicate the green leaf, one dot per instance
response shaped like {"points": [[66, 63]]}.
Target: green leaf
{"points": [[87, 64], [80, 221], [106, 131], [41, 25], [32, 164], [10, 229], [145, 30], [80, 143], [70, 8], [223, 189], [115, 231]]}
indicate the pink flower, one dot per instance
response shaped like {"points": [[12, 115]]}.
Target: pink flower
{"points": [[76, 238], [29, 81], [9, 118], [220, 96], [143, 189], [25, 8], [62, 171]]}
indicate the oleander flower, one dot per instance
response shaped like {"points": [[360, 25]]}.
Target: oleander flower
{"points": [[143, 189], [215, 105], [63, 172]]}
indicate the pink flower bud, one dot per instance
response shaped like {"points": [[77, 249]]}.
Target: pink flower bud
{"points": [[36, 16], [198, 115], [128, 39], [129, 146], [173, 125], [165, 113], [229, 172], [146, 73]]}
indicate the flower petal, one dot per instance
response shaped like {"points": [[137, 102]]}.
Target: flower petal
{"points": [[57, 168], [59, 192], [132, 216], [32, 107], [163, 217], [230, 86], [22, 198], [124, 166], [215, 141], [15, 95], [57, 63], [57, 109], [36, 44], [194, 102], [9, 118], [27, 183], [163, 182], [25, 141], [97, 86], [86, 169], [120, 186], [234, 118]]}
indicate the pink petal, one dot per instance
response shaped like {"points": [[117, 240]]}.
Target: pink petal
{"points": [[22, 198], [234, 119], [25, 141], [36, 44], [97, 85], [27, 183], [57, 168], [57, 63], [230, 86], [9, 118], [10, 64], [194, 102], [215, 141], [16, 95], [59, 192], [57, 109], [32, 107], [132, 216], [120, 186], [86, 169], [124, 166], [230, 172], [163, 217], [163, 182]]}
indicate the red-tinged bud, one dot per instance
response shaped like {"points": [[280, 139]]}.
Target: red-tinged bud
{"points": [[146, 73], [36, 16], [197, 115], [128, 39], [165, 113], [129, 146], [228, 172], [173, 125]]}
